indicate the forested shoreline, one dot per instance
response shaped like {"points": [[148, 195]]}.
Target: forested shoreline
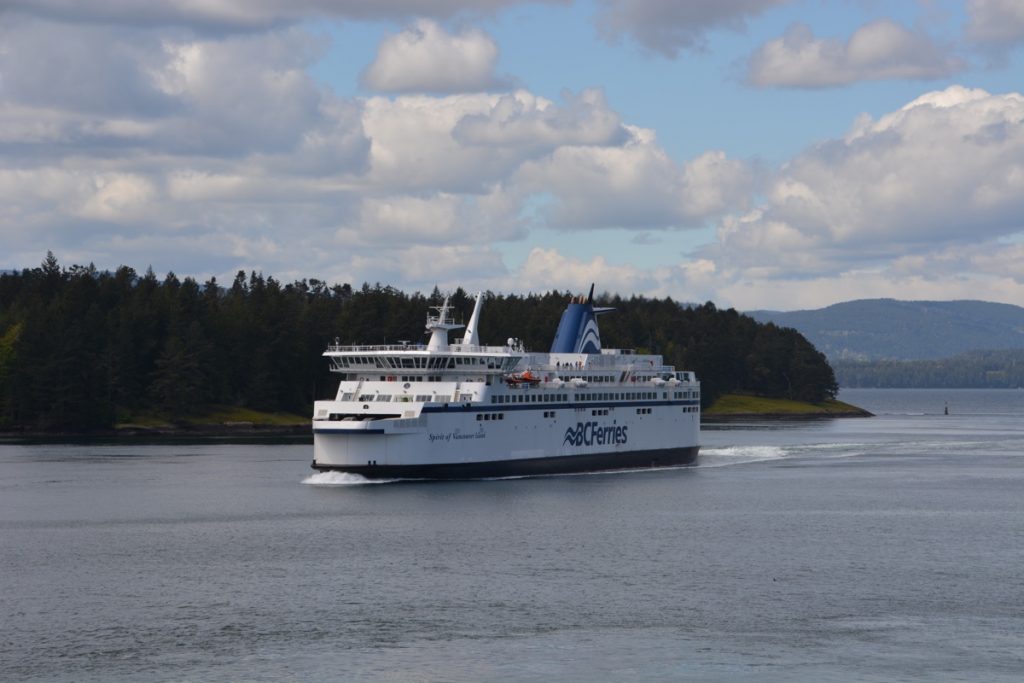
{"points": [[82, 349], [1003, 369]]}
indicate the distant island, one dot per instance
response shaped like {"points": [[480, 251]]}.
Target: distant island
{"points": [[83, 350], [891, 343], [972, 370]]}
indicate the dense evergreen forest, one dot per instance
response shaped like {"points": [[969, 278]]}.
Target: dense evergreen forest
{"points": [[82, 349], [973, 370]]}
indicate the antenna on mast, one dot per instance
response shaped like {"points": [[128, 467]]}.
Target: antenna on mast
{"points": [[439, 325]]}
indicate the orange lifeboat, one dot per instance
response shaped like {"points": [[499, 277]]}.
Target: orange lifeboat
{"points": [[521, 378]]}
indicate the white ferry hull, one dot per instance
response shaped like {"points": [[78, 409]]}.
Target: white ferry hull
{"points": [[521, 467], [439, 445]]}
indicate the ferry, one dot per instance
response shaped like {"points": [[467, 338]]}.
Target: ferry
{"points": [[461, 410]]}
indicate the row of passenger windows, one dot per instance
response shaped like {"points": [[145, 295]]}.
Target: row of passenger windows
{"points": [[530, 398], [404, 398], [581, 397], [620, 396], [594, 413], [437, 362]]}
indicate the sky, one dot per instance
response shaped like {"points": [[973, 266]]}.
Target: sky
{"points": [[760, 154]]}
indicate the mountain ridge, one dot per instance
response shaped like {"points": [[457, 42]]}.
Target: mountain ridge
{"points": [[895, 329]]}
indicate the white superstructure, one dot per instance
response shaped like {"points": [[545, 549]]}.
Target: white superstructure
{"points": [[456, 410]]}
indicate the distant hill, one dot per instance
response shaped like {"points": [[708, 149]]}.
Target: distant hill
{"points": [[875, 329], [974, 369]]}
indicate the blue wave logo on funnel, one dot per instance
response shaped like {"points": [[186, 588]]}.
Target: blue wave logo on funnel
{"points": [[577, 330]]}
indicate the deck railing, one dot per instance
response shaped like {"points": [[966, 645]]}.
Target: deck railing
{"points": [[390, 348]]}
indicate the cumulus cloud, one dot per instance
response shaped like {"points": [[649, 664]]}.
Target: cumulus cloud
{"points": [[222, 152], [242, 94], [946, 274], [668, 26], [198, 141], [89, 69], [817, 292], [211, 141], [441, 218], [466, 143], [547, 269], [96, 88], [996, 23], [426, 58], [245, 15], [523, 121], [943, 173], [635, 185], [421, 267], [876, 51], [925, 201]]}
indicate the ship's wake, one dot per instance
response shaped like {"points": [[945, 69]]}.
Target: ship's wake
{"points": [[330, 478], [736, 455]]}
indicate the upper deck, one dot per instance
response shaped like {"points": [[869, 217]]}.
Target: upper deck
{"points": [[439, 360]]}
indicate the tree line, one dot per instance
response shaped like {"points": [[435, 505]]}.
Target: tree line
{"points": [[976, 369], [82, 349]]}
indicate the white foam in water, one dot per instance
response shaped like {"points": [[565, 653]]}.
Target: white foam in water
{"points": [[341, 479], [734, 455], [832, 450]]}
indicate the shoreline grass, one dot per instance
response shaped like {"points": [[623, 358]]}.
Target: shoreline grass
{"points": [[736, 405]]}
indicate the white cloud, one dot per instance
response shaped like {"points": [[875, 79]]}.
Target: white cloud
{"points": [[242, 94], [246, 15], [211, 150], [234, 136], [945, 274], [421, 267], [240, 160], [426, 58], [467, 143], [93, 87], [668, 26], [90, 69], [118, 198], [546, 269], [526, 122], [918, 201], [383, 222], [793, 294], [996, 23], [946, 167], [635, 185], [879, 50]]}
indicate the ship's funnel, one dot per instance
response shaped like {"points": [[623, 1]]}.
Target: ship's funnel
{"points": [[577, 330], [472, 337]]}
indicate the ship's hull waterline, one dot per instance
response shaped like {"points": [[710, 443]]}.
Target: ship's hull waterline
{"points": [[526, 467]]}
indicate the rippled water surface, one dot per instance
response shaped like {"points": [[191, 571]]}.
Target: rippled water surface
{"points": [[879, 549]]}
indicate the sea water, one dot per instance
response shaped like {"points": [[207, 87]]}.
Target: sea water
{"points": [[880, 549]]}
